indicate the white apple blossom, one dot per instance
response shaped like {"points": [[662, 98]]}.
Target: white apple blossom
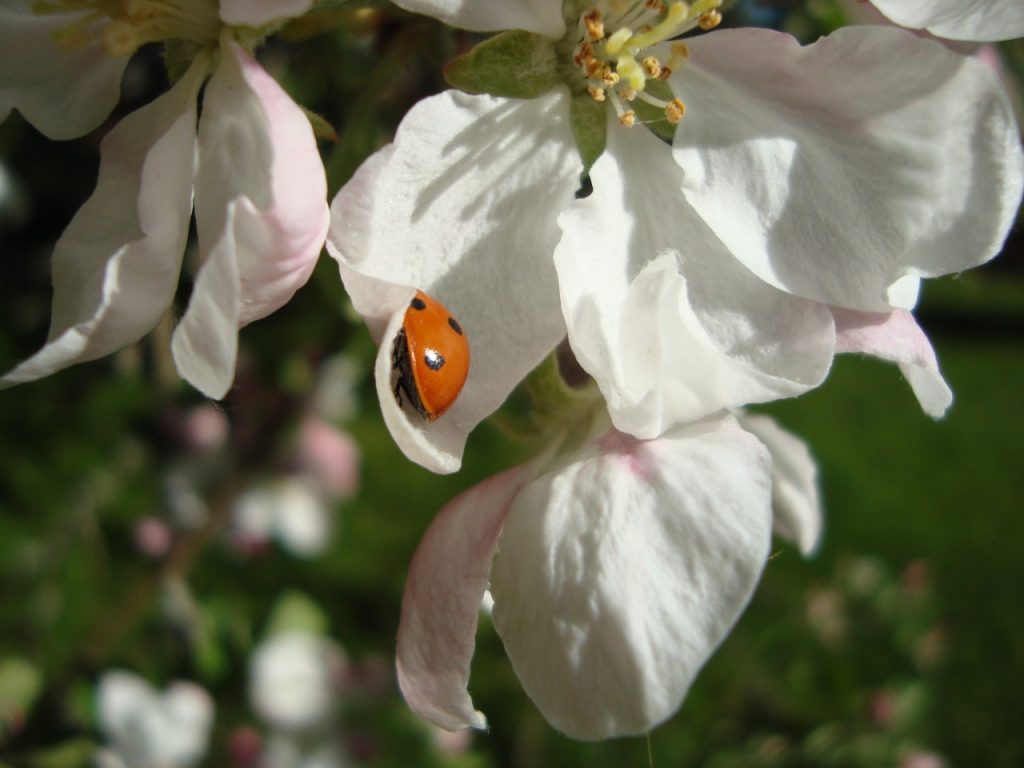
{"points": [[293, 681], [975, 20], [251, 168], [293, 510], [145, 728], [697, 275], [615, 568]]}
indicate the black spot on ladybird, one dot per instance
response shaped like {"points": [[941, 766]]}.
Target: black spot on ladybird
{"points": [[418, 303], [433, 359], [455, 325]]}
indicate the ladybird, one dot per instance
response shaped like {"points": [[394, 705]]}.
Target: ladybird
{"points": [[430, 357]]}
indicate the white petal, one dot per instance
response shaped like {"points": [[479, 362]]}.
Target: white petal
{"points": [[256, 13], [898, 338], [979, 20], [835, 170], [290, 677], [441, 605], [189, 713], [660, 314], [261, 215], [796, 501], [463, 206], [541, 16], [63, 93], [621, 571], [115, 268], [120, 696]]}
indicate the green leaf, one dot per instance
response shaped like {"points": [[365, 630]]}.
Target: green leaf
{"points": [[515, 64], [589, 121]]}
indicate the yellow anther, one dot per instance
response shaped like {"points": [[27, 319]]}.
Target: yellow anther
{"points": [[611, 78], [674, 111], [627, 94], [614, 44], [627, 118], [652, 66], [594, 23], [681, 50], [709, 20], [597, 94], [120, 39]]}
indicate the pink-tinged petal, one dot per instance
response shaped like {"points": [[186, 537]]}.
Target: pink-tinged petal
{"points": [[261, 203], [843, 169], [441, 605], [205, 343], [896, 337], [667, 322], [620, 571], [796, 500], [541, 16], [978, 20], [63, 93], [463, 206], [115, 268], [256, 13]]}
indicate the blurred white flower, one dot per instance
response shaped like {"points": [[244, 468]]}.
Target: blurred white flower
{"points": [[290, 510], [251, 168], [294, 680], [145, 728]]}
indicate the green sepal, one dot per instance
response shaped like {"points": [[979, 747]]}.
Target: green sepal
{"points": [[515, 64], [322, 129], [589, 121]]}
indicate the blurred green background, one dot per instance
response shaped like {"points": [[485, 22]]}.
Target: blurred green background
{"points": [[900, 644]]}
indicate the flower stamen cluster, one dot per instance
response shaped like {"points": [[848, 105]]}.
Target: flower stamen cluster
{"points": [[613, 36], [121, 27]]}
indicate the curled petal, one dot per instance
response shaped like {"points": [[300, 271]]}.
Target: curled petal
{"points": [[978, 20], [621, 570], [63, 93], [843, 170], [669, 324], [256, 13], [115, 268], [261, 215], [463, 207], [541, 16], [796, 501], [896, 337], [441, 605]]}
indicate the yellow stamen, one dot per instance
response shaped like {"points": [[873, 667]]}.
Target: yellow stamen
{"points": [[614, 44], [709, 20], [674, 19], [593, 20], [652, 66], [597, 94], [630, 71], [627, 118], [674, 111]]}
